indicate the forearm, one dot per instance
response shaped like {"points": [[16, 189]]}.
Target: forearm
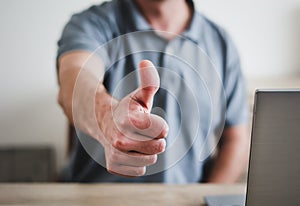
{"points": [[232, 157], [67, 80], [117, 125], [82, 94]]}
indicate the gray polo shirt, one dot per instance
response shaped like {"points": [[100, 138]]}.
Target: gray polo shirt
{"points": [[202, 87]]}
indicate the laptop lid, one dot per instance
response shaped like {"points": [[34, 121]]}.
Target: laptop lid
{"points": [[274, 169], [225, 200]]}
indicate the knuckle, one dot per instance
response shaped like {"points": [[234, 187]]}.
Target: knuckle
{"points": [[139, 171], [161, 145], [165, 130], [119, 143], [150, 89], [153, 159], [141, 121]]}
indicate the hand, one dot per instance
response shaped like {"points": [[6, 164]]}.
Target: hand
{"points": [[132, 135]]}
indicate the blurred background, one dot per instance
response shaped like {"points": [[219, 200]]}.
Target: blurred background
{"points": [[33, 129]]}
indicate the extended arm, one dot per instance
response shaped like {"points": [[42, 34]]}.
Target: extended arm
{"points": [[130, 135]]}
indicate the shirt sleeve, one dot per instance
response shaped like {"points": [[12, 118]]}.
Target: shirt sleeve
{"points": [[237, 112], [84, 31]]}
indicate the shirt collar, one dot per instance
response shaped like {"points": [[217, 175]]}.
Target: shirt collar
{"points": [[192, 32]]}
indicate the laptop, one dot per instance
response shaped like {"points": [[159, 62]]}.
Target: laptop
{"points": [[274, 167]]}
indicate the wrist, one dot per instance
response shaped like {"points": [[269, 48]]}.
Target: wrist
{"points": [[104, 107]]}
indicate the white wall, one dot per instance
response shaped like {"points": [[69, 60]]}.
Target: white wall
{"points": [[267, 34], [29, 31]]}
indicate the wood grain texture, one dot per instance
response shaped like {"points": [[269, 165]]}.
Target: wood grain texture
{"points": [[111, 194]]}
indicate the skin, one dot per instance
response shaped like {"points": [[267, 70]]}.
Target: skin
{"points": [[160, 15], [232, 156], [130, 135]]}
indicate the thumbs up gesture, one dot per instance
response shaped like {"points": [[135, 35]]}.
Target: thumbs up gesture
{"points": [[132, 135]]}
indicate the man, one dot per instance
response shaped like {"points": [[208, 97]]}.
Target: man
{"points": [[134, 141]]}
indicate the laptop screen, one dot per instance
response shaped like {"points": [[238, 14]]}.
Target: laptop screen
{"points": [[274, 170]]}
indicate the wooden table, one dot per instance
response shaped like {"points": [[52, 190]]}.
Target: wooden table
{"points": [[111, 194]]}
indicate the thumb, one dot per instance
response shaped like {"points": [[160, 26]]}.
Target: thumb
{"points": [[150, 81]]}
